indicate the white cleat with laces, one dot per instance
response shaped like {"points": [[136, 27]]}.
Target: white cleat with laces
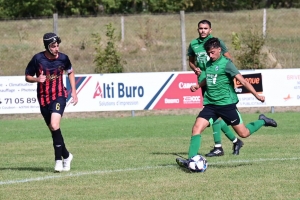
{"points": [[58, 166], [67, 163]]}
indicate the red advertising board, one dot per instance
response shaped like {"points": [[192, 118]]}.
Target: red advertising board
{"points": [[179, 95]]}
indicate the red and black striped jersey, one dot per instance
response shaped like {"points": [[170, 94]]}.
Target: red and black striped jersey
{"points": [[53, 69]]}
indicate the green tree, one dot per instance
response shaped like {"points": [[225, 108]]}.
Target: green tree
{"points": [[107, 59], [169, 5], [249, 46], [37, 8], [77, 7], [26, 8]]}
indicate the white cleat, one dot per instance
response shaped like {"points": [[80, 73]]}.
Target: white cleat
{"points": [[67, 163], [58, 166]]}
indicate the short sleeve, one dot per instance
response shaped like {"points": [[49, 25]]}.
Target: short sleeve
{"points": [[191, 51], [223, 47], [31, 67], [68, 66], [231, 69]]}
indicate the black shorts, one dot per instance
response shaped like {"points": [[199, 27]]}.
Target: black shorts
{"points": [[56, 106], [229, 113]]}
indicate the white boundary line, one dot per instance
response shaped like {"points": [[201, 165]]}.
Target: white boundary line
{"points": [[133, 169]]}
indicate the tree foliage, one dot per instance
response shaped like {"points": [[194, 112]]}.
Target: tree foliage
{"points": [[249, 49], [26, 8], [107, 59], [10, 9]]}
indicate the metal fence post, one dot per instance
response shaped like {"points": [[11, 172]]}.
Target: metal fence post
{"points": [[183, 44], [55, 22], [122, 29], [264, 23], [272, 109]]}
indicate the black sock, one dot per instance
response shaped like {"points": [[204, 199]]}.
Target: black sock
{"points": [[60, 149], [65, 152]]}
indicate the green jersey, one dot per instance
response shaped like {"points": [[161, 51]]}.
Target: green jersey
{"points": [[219, 81], [196, 49]]}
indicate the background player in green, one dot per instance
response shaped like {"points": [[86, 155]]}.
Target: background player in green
{"points": [[197, 61], [220, 99]]}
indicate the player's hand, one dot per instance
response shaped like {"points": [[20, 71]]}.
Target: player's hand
{"points": [[74, 98], [260, 98], [41, 78], [194, 88], [197, 71]]}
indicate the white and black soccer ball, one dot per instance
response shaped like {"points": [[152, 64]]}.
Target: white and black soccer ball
{"points": [[198, 164]]}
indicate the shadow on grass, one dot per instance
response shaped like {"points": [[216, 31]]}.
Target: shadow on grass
{"points": [[219, 165], [228, 165], [214, 166], [34, 169], [174, 154], [185, 170]]}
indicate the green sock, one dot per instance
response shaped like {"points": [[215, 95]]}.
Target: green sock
{"points": [[195, 144], [227, 131], [254, 126], [217, 132]]}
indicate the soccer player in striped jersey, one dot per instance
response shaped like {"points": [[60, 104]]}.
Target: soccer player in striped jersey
{"points": [[46, 68]]}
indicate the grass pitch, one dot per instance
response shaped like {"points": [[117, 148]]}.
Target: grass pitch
{"points": [[134, 158]]}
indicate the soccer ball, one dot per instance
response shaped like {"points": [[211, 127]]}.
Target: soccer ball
{"points": [[198, 164]]}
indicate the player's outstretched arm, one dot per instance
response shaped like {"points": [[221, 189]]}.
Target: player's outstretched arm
{"points": [[194, 88], [73, 88], [249, 87], [228, 55], [193, 66], [202, 83]]}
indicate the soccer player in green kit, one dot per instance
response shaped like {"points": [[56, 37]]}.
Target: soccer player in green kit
{"points": [[197, 61], [220, 99]]}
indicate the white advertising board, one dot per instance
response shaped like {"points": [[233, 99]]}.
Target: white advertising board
{"points": [[17, 96], [281, 87], [126, 91], [147, 91]]}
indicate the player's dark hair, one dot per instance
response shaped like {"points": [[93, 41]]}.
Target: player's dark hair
{"points": [[205, 22], [212, 43]]}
